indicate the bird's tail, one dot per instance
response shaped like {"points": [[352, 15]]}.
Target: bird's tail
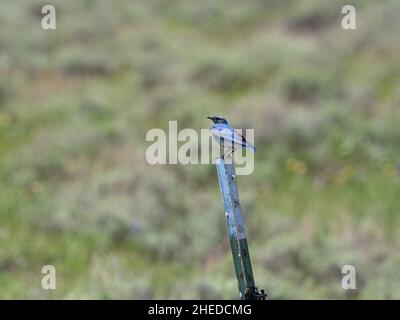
{"points": [[251, 148]]}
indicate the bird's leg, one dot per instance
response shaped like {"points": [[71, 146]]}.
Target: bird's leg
{"points": [[230, 151], [221, 148]]}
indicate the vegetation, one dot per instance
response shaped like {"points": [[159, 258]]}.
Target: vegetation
{"points": [[77, 193]]}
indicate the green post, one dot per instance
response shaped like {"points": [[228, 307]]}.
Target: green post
{"points": [[237, 232]]}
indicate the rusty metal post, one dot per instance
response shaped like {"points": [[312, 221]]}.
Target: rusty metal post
{"points": [[237, 232]]}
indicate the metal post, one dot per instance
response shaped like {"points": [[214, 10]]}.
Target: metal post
{"points": [[237, 232]]}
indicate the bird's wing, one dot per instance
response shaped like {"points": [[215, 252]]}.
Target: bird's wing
{"points": [[244, 141], [228, 134], [242, 138]]}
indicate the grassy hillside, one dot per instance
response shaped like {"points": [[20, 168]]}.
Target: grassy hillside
{"points": [[76, 191]]}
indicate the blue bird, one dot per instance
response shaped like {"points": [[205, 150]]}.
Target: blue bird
{"points": [[226, 136]]}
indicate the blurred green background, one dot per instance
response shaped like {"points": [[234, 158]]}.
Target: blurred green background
{"points": [[76, 191]]}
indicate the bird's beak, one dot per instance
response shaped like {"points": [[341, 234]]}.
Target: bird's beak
{"points": [[209, 118]]}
